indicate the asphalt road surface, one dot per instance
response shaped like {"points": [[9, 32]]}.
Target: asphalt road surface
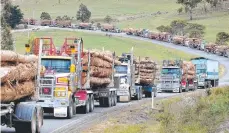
{"points": [[52, 125]]}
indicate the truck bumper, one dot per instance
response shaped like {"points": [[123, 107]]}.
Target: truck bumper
{"points": [[123, 92], [59, 106], [170, 89], [201, 84], [124, 99], [53, 103]]}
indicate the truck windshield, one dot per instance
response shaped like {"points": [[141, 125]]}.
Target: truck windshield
{"points": [[59, 65], [200, 71], [121, 69], [170, 71]]}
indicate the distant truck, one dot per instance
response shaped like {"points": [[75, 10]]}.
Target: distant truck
{"points": [[207, 72], [177, 76], [130, 81], [125, 73]]}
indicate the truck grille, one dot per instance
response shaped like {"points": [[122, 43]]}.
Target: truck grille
{"points": [[47, 81]]}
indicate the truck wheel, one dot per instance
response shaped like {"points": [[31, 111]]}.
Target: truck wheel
{"points": [[115, 99], [70, 110], [91, 103], [109, 100], [40, 118], [26, 112], [180, 90], [155, 93], [140, 93], [86, 107], [101, 102]]}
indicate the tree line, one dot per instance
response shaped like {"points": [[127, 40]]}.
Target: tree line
{"points": [[192, 30]]}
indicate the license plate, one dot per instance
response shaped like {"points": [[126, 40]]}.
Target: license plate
{"points": [[60, 112]]}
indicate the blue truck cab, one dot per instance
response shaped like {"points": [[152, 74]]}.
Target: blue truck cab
{"points": [[207, 72]]}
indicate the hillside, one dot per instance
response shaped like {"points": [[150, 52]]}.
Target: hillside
{"points": [[117, 44], [132, 13]]}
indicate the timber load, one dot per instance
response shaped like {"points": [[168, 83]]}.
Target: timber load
{"points": [[146, 69], [189, 71], [101, 67], [17, 75], [178, 40]]}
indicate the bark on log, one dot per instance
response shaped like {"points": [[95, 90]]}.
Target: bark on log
{"points": [[100, 72], [95, 81], [22, 72], [12, 93], [10, 56]]}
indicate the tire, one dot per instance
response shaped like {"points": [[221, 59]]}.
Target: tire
{"points": [[137, 97], [91, 103], [140, 93], [28, 113], [155, 93], [115, 99], [70, 110], [180, 90], [40, 119], [109, 100], [101, 102], [85, 108]]}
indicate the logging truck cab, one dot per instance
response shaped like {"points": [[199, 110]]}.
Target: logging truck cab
{"points": [[59, 84], [171, 77], [125, 77]]}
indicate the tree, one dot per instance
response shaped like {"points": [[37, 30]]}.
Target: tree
{"points": [[98, 25], [190, 5], [195, 30], [163, 28], [65, 17], [180, 10], [6, 36], [222, 38], [107, 19], [213, 2], [83, 14], [45, 16], [177, 26], [58, 18], [12, 14]]}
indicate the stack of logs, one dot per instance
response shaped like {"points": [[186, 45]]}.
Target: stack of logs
{"points": [[17, 74], [188, 70], [147, 69], [100, 67]]}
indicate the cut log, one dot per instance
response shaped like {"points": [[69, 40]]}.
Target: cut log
{"points": [[100, 72], [14, 92], [10, 56], [22, 72]]}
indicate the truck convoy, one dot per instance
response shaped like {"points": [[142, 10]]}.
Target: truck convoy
{"points": [[131, 78], [72, 78], [178, 75], [207, 72], [18, 104]]}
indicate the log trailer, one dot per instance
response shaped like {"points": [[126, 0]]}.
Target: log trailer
{"points": [[125, 74], [207, 72], [172, 79], [25, 115], [62, 90]]}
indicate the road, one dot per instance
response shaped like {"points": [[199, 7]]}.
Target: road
{"points": [[79, 121]]}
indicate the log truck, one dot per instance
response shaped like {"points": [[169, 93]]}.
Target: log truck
{"points": [[60, 79]]}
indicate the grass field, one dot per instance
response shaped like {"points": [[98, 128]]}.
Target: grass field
{"points": [[214, 22], [117, 44]]}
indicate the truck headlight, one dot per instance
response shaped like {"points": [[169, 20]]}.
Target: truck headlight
{"points": [[63, 94], [57, 93]]}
